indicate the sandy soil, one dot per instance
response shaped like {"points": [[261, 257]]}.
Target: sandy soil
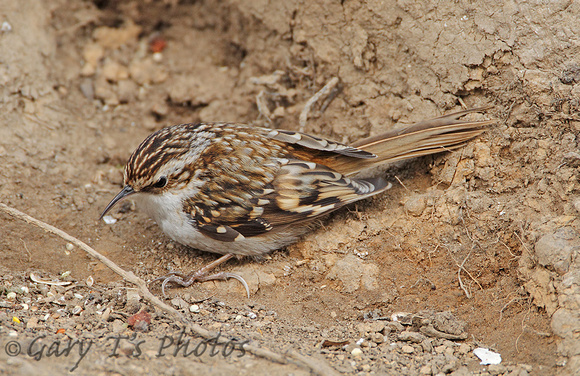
{"points": [[480, 244]]}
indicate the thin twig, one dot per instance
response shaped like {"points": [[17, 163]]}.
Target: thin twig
{"points": [[509, 111], [128, 276], [524, 244], [461, 267], [507, 246], [315, 98], [524, 326], [473, 244], [429, 255], [467, 271], [316, 366], [516, 299], [400, 182], [423, 279], [467, 293], [457, 165]]}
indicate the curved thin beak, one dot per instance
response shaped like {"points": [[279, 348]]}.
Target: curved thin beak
{"points": [[128, 190]]}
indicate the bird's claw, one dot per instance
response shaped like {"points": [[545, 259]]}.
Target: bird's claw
{"points": [[186, 281]]}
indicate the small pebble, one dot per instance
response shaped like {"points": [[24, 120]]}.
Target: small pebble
{"points": [[279, 112], [415, 205], [86, 85], [356, 352], [118, 326], [577, 205], [114, 71], [411, 337], [427, 345], [11, 295], [109, 219], [32, 323], [496, 369], [407, 349], [106, 314], [6, 27], [194, 308], [395, 326], [464, 348], [377, 338], [133, 298], [179, 303]]}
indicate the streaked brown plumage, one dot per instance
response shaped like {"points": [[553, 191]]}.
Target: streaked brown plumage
{"points": [[239, 190]]}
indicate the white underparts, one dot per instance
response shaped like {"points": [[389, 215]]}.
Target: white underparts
{"points": [[167, 210]]}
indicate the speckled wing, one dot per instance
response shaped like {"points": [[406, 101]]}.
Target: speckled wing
{"points": [[317, 143], [306, 190], [297, 191]]}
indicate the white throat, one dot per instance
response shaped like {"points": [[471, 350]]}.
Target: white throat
{"points": [[167, 210]]}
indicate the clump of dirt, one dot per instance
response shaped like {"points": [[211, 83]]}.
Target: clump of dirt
{"points": [[472, 248]]}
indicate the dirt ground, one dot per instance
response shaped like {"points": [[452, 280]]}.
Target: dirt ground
{"points": [[479, 247]]}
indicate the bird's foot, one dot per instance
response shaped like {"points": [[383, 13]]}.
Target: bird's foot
{"points": [[201, 275]]}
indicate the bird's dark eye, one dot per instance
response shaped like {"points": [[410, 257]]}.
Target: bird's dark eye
{"points": [[162, 182]]}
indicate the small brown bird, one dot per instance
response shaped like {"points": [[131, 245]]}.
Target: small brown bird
{"points": [[239, 190]]}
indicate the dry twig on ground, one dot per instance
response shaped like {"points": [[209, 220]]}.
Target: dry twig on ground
{"points": [[316, 366], [326, 90]]}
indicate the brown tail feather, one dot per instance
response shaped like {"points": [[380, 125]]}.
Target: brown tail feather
{"points": [[426, 137]]}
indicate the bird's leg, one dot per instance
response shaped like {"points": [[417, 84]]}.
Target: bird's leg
{"points": [[201, 275]]}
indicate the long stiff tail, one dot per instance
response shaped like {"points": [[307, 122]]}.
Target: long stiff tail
{"points": [[426, 137]]}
